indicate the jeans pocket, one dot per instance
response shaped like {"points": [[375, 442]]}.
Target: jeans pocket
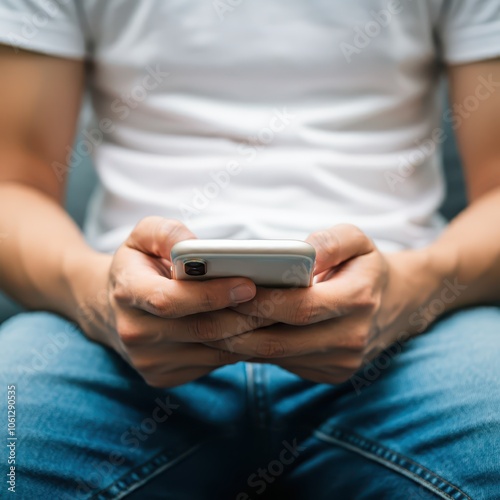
{"points": [[391, 459]]}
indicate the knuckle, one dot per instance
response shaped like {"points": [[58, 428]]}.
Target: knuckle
{"points": [[208, 300], [168, 228], [204, 328], [327, 242], [146, 223], [366, 298], [225, 357], [354, 231], [156, 382], [362, 240], [160, 304], [358, 238], [171, 225], [270, 348], [129, 334], [152, 302], [305, 312], [358, 339], [121, 293], [169, 309], [251, 323], [352, 365], [144, 366], [165, 306], [375, 303], [150, 365], [160, 229]]}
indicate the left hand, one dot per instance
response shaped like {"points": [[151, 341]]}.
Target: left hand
{"points": [[358, 306]]}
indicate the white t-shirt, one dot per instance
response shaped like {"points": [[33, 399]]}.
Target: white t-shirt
{"points": [[263, 118]]}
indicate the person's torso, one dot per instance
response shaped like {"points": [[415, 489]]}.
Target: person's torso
{"points": [[266, 119]]}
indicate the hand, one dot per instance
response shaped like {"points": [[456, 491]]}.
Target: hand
{"points": [[158, 324], [356, 308]]}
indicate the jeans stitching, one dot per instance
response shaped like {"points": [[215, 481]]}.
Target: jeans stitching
{"points": [[392, 460], [144, 473]]}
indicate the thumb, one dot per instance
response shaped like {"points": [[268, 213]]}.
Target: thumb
{"points": [[338, 244], [157, 235]]}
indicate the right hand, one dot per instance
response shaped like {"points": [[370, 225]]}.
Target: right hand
{"points": [[158, 324]]}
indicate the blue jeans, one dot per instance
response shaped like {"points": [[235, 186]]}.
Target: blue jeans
{"points": [[421, 422]]}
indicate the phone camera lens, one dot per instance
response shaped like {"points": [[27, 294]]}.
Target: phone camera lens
{"points": [[195, 267]]}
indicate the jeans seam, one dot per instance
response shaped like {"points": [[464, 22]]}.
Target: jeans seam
{"points": [[250, 382], [126, 487], [257, 393], [361, 446]]}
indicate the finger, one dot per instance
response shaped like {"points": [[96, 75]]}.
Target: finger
{"points": [[139, 329], [304, 306], [157, 235], [178, 377], [203, 356], [282, 341], [341, 362], [338, 244], [321, 377], [172, 357], [146, 290]]}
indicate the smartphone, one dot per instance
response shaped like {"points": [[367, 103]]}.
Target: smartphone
{"points": [[271, 263]]}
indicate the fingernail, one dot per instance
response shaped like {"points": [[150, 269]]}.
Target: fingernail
{"points": [[241, 293]]}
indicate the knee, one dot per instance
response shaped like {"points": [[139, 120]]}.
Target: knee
{"points": [[462, 353], [469, 338], [30, 342]]}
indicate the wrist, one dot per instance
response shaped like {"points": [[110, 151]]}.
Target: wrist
{"points": [[85, 273], [421, 280]]}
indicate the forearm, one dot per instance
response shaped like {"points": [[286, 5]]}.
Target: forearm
{"points": [[459, 269], [43, 255], [469, 251]]}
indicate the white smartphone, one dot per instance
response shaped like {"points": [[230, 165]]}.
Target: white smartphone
{"points": [[272, 263]]}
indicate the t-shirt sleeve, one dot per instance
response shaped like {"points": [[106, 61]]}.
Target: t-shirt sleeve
{"points": [[53, 27], [469, 30]]}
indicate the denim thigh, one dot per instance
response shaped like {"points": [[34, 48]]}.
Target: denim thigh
{"points": [[422, 421], [89, 426]]}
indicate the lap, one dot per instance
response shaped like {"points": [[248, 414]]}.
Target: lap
{"points": [[87, 424], [422, 421], [427, 412]]}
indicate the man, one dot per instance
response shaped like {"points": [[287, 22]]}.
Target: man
{"points": [[278, 119]]}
